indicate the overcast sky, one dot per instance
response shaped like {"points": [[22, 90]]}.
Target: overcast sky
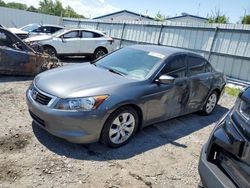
{"points": [[92, 8]]}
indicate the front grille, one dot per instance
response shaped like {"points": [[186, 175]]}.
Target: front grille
{"points": [[40, 98], [37, 119]]}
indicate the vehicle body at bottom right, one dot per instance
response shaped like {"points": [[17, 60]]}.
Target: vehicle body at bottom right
{"points": [[225, 159]]}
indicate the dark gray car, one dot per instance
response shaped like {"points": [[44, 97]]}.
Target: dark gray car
{"points": [[110, 99]]}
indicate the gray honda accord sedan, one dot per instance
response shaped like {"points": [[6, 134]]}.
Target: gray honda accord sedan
{"points": [[110, 99]]}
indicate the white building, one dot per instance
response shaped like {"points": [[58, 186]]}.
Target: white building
{"points": [[123, 15]]}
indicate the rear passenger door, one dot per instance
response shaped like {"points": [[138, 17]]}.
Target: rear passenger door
{"points": [[200, 80], [88, 42]]}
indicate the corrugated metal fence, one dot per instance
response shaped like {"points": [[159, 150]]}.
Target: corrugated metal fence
{"points": [[13, 17], [227, 46]]}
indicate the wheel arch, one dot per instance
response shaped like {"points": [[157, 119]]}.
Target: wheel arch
{"points": [[50, 46], [102, 47]]}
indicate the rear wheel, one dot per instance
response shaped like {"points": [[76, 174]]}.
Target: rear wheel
{"points": [[99, 52], [120, 127], [210, 104]]}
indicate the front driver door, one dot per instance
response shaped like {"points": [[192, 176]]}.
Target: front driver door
{"points": [[70, 43], [169, 100]]}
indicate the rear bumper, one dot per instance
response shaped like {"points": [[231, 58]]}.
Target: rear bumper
{"points": [[211, 175]]}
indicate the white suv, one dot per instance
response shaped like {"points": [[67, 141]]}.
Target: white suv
{"points": [[75, 42]]}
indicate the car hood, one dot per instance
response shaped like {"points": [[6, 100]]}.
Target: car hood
{"points": [[17, 31], [79, 81], [38, 38]]}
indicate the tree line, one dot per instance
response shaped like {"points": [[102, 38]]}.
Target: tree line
{"points": [[46, 7], [216, 16]]}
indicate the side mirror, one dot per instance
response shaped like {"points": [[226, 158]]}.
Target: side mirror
{"points": [[165, 79], [62, 38]]}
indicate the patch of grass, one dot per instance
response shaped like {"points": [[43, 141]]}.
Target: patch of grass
{"points": [[232, 91]]}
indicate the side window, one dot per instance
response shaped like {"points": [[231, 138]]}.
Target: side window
{"points": [[38, 30], [54, 29], [196, 65], [176, 67], [86, 34], [4, 40], [72, 34], [46, 29]]}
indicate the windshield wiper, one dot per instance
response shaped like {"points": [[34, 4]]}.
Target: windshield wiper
{"points": [[116, 72]]}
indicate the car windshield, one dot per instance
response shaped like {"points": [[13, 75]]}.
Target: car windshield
{"points": [[59, 32], [30, 27], [131, 62]]}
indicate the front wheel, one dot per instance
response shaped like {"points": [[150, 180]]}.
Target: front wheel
{"points": [[120, 127], [210, 104], [50, 50]]}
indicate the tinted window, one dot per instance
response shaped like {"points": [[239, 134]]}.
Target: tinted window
{"points": [[72, 34], [54, 29], [38, 30], [46, 30], [176, 67], [134, 63], [88, 34], [196, 65]]}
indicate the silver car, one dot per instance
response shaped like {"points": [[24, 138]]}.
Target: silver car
{"points": [[112, 98]]}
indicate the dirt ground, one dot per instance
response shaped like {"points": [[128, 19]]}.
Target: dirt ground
{"points": [[162, 155]]}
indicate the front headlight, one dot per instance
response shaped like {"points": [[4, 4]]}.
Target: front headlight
{"points": [[81, 104]]}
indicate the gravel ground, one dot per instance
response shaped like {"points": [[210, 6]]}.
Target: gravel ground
{"points": [[162, 155]]}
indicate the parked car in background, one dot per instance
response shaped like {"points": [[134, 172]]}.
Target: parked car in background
{"points": [[225, 159], [17, 58], [110, 99], [35, 29], [75, 42]]}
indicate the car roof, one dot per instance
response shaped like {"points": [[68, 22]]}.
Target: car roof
{"points": [[164, 50], [49, 25]]}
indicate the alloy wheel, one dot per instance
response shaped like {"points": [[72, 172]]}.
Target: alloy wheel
{"points": [[211, 103], [122, 128]]}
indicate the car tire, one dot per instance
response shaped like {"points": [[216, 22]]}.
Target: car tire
{"points": [[120, 127], [50, 50], [210, 104], [99, 52]]}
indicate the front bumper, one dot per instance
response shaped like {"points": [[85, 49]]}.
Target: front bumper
{"points": [[76, 127], [211, 175]]}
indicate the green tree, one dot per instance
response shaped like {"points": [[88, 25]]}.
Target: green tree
{"points": [[16, 5], [246, 19], [2, 3], [52, 7], [160, 17], [32, 9], [218, 17], [69, 12]]}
